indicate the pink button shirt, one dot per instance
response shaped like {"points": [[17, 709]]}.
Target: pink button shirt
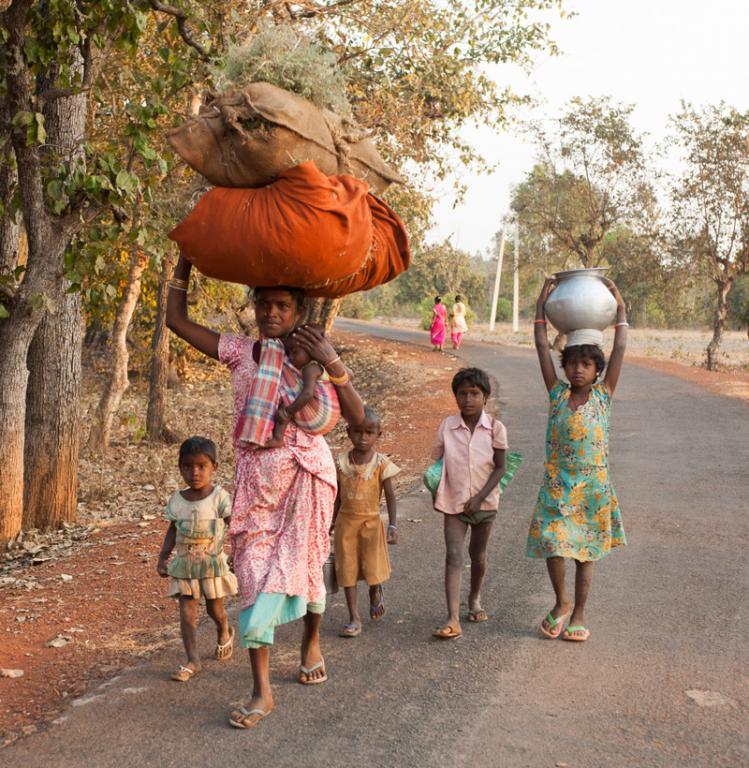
{"points": [[468, 461]]}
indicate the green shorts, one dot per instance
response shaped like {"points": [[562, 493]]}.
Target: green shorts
{"points": [[482, 516]]}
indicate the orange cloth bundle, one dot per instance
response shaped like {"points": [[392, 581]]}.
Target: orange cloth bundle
{"points": [[325, 234]]}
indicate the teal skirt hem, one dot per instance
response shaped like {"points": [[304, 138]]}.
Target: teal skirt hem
{"points": [[271, 609]]}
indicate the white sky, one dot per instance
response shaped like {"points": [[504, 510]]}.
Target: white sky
{"points": [[650, 53]]}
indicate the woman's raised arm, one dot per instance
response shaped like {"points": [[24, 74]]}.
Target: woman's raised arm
{"points": [[203, 339], [541, 336]]}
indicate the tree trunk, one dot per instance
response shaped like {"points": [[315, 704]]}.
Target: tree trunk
{"points": [[117, 383], [10, 224], [156, 416], [52, 418], [54, 359], [322, 312], [15, 338], [721, 312]]}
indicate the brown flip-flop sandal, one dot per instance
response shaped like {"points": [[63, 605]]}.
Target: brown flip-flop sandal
{"points": [[225, 650], [350, 630], [447, 633], [476, 617], [183, 674]]}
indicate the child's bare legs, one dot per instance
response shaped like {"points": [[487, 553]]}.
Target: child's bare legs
{"points": [[583, 577], [477, 551], [556, 568], [188, 624], [353, 606], [311, 653], [455, 533], [217, 612]]}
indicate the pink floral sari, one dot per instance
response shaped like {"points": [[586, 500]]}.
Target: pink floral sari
{"points": [[283, 501]]}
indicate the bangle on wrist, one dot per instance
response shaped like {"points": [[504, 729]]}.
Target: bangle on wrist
{"points": [[623, 324], [179, 283], [339, 381], [539, 322], [336, 359], [392, 525]]}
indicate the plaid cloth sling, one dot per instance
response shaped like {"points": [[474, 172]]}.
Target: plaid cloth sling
{"points": [[278, 381]]}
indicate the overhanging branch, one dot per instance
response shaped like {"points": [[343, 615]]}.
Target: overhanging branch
{"points": [[181, 18]]}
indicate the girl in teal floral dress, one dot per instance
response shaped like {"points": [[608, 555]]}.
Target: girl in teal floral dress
{"points": [[577, 514]]}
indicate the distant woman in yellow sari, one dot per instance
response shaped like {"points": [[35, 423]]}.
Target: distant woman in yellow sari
{"points": [[458, 324]]}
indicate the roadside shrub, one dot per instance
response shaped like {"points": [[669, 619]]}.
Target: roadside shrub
{"points": [[358, 306], [504, 310]]}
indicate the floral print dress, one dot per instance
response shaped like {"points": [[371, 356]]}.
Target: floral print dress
{"points": [[577, 513]]}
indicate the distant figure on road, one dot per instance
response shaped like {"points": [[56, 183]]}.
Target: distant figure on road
{"points": [[458, 324], [360, 548], [472, 445], [439, 324], [198, 518], [577, 514], [283, 500]]}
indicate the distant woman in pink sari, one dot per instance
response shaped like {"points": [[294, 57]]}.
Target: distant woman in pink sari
{"points": [[439, 324]]}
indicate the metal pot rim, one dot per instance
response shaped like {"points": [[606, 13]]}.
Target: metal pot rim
{"points": [[589, 271]]}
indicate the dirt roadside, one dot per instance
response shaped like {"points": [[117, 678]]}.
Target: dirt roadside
{"points": [[92, 590]]}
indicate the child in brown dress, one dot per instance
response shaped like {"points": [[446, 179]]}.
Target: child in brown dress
{"points": [[360, 540]]}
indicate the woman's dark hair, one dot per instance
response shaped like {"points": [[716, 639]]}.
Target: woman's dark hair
{"points": [[585, 352], [196, 446], [458, 297], [297, 294], [438, 299], [475, 377]]}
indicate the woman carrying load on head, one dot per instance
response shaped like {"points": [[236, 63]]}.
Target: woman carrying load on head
{"points": [[283, 500], [438, 330]]}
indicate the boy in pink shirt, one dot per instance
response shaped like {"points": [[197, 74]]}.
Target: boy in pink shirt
{"points": [[472, 445]]}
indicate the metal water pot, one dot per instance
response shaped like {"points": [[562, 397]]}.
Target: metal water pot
{"points": [[581, 301]]}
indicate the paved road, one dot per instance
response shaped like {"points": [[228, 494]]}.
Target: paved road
{"points": [[667, 614]]}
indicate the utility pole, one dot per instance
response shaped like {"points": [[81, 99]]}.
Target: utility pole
{"points": [[516, 280], [495, 295]]}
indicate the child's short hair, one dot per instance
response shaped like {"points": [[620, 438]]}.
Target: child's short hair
{"points": [[585, 352], [298, 294], [197, 445], [475, 377], [371, 415]]}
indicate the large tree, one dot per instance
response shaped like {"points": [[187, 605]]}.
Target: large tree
{"points": [[590, 178], [415, 74], [710, 201]]}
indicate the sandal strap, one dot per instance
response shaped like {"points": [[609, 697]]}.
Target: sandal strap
{"points": [[576, 628], [313, 668]]}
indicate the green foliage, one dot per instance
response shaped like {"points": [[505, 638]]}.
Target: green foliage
{"points": [[738, 303], [504, 310], [589, 178], [284, 56], [359, 306]]}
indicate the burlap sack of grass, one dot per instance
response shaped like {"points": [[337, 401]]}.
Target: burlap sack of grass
{"points": [[246, 137]]}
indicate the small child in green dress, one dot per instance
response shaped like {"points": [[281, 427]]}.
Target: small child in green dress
{"points": [[577, 514], [198, 518]]}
